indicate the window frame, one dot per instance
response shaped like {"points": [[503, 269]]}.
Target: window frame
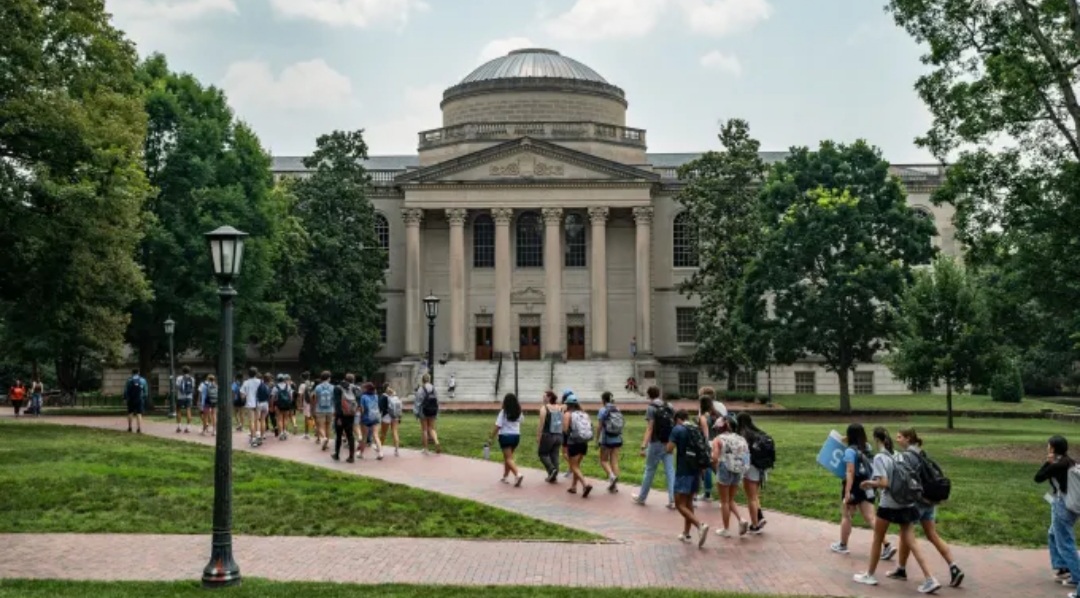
{"points": [[535, 249], [856, 384], [384, 327], [684, 240], [800, 387], [746, 381], [483, 255], [573, 249], [688, 379], [692, 313]]}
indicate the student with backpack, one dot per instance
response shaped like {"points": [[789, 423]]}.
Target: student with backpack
{"points": [[659, 421], [135, 392], [370, 417], [238, 401], [346, 407], [610, 421], [263, 394], [185, 394], [391, 409], [323, 409], [549, 435], [208, 399], [930, 477], [731, 458], [303, 399], [429, 413], [508, 429], [692, 455], [896, 476], [762, 459], [1057, 469], [283, 405], [858, 467], [579, 432], [710, 414]]}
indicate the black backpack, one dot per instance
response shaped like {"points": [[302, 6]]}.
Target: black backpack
{"points": [[663, 423], [697, 451], [936, 488], [133, 390], [763, 452]]}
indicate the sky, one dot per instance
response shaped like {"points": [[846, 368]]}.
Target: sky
{"points": [[799, 71]]}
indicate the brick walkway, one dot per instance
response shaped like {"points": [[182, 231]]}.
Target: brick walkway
{"points": [[791, 558]]}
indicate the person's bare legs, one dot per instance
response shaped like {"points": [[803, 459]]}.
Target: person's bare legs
{"points": [[613, 457], [394, 431], [907, 536], [575, 471], [434, 434], [930, 530], [753, 504], [424, 434], [684, 503], [605, 461], [881, 527]]}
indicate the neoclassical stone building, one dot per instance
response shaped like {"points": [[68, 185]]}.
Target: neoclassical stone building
{"points": [[544, 226]]}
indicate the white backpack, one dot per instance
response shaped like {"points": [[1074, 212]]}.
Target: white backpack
{"points": [[1072, 494], [393, 405], [735, 455], [580, 427]]}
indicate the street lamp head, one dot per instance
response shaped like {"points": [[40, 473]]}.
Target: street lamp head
{"points": [[170, 326], [226, 252], [431, 306]]}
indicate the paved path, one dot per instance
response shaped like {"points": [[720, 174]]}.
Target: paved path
{"points": [[792, 557]]}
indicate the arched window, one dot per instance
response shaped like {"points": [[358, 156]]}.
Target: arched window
{"points": [[575, 240], [483, 242], [684, 241], [530, 241], [382, 231]]}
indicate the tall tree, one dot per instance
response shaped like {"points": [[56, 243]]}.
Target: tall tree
{"points": [[943, 336], [338, 282], [1003, 94], [71, 185], [208, 170], [721, 199], [837, 255]]}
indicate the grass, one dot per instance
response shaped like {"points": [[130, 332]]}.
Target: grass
{"points": [[258, 588], [64, 479], [916, 403], [993, 502]]}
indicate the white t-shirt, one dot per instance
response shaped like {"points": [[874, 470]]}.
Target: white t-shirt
{"points": [[508, 427], [249, 390], [180, 389], [883, 468]]}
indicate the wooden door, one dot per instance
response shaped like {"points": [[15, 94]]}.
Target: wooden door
{"points": [[483, 343], [530, 343], [575, 342]]}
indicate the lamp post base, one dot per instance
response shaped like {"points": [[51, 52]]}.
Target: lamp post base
{"points": [[222, 571]]}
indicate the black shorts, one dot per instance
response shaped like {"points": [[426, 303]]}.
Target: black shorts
{"points": [[135, 407], [574, 449], [509, 441], [857, 496], [902, 516], [285, 406]]}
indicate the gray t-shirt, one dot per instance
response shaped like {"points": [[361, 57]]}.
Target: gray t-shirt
{"points": [[883, 468]]}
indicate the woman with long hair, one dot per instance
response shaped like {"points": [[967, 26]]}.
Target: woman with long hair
{"points": [[610, 422], [1062, 536], [710, 416], [754, 477], [549, 435], [508, 429], [858, 467], [576, 423], [892, 510], [390, 408], [731, 458], [428, 413]]}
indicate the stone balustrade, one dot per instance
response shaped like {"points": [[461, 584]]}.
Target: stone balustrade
{"points": [[552, 131]]}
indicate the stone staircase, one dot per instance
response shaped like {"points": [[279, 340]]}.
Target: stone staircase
{"points": [[475, 380], [533, 379], [589, 379]]}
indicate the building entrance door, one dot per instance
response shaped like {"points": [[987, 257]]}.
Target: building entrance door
{"points": [[483, 343], [575, 342], [530, 343]]}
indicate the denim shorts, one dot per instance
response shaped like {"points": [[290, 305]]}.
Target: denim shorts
{"points": [[183, 402], [727, 478], [927, 512], [687, 484], [754, 475]]}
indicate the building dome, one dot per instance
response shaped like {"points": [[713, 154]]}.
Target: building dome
{"points": [[533, 63]]}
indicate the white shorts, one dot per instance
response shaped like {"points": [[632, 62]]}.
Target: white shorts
{"points": [[263, 408], [307, 410], [753, 474], [389, 419]]}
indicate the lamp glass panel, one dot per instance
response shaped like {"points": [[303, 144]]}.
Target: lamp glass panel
{"points": [[238, 256], [215, 254], [228, 251]]}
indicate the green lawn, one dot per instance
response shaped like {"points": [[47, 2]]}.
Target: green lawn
{"points": [[65, 479], [993, 502], [258, 588], [915, 403]]}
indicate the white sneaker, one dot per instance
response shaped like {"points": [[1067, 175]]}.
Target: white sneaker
{"points": [[929, 586], [839, 548], [684, 538], [702, 535], [637, 500], [865, 578], [744, 526], [723, 533]]}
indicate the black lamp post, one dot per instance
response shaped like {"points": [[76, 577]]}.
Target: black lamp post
{"points": [[170, 328], [431, 309], [226, 253]]}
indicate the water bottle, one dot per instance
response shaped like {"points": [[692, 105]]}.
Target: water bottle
{"points": [[487, 451]]}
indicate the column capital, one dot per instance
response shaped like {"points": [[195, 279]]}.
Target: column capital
{"points": [[412, 216], [457, 216], [552, 216], [502, 215], [643, 216], [598, 214]]}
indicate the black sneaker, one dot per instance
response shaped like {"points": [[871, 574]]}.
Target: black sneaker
{"points": [[897, 573], [335, 457], [956, 576]]}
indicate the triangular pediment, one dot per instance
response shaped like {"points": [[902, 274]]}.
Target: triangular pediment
{"points": [[527, 159]]}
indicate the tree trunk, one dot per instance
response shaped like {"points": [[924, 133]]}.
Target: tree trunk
{"points": [[66, 374], [948, 403], [845, 394], [732, 372]]}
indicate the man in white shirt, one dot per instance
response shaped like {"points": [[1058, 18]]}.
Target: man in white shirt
{"points": [[248, 392], [185, 394]]}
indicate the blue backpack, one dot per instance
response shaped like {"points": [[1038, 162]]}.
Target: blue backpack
{"points": [[372, 415]]}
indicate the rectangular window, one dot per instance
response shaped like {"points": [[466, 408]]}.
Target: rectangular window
{"points": [[688, 384], [685, 324], [746, 381], [382, 326], [864, 383], [804, 383]]}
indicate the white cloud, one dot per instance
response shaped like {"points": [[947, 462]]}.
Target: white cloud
{"points": [[723, 17], [722, 62], [312, 84], [170, 10], [154, 24], [351, 13], [607, 19], [501, 47], [419, 112]]}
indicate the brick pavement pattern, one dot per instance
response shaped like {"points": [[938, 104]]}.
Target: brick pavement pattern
{"points": [[792, 557]]}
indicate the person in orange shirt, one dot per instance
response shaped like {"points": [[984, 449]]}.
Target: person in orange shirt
{"points": [[17, 394]]}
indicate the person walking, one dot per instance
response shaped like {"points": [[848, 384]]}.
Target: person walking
{"points": [[370, 417], [508, 429], [249, 392], [908, 440], [893, 508], [17, 396], [710, 413], [238, 401], [37, 389], [858, 467], [323, 409], [185, 396], [549, 435], [610, 421], [731, 458], [687, 476], [577, 422], [263, 394], [429, 413], [208, 393], [451, 385], [345, 409], [659, 421], [135, 397], [755, 476], [303, 399], [283, 405], [1062, 535], [390, 407]]}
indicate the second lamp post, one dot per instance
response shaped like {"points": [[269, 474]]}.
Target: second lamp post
{"points": [[431, 310]]}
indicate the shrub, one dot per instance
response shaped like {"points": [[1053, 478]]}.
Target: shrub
{"points": [[1007, 386], [745, 396]]}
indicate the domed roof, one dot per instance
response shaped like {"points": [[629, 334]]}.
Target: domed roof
{"points": [[533, 63]]}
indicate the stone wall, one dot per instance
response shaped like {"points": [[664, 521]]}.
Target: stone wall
{"points": [[533, 106]]}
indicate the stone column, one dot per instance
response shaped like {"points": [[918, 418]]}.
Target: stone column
{"points": [[598, 279], [553, 267], [643, 218], [456, 217], [413, 318], [503, 265]]}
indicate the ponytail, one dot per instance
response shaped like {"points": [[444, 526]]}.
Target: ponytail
{"points": [[882, 436]]}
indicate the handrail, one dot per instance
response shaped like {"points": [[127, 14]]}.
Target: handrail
{"points": [[516, 392], [498, 377], [551, 374]]}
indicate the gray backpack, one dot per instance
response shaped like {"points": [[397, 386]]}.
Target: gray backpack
{"points": [[1072, 494], [905, 487]]}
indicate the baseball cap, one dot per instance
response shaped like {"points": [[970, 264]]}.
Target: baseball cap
{"points": [[570, 398]]}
